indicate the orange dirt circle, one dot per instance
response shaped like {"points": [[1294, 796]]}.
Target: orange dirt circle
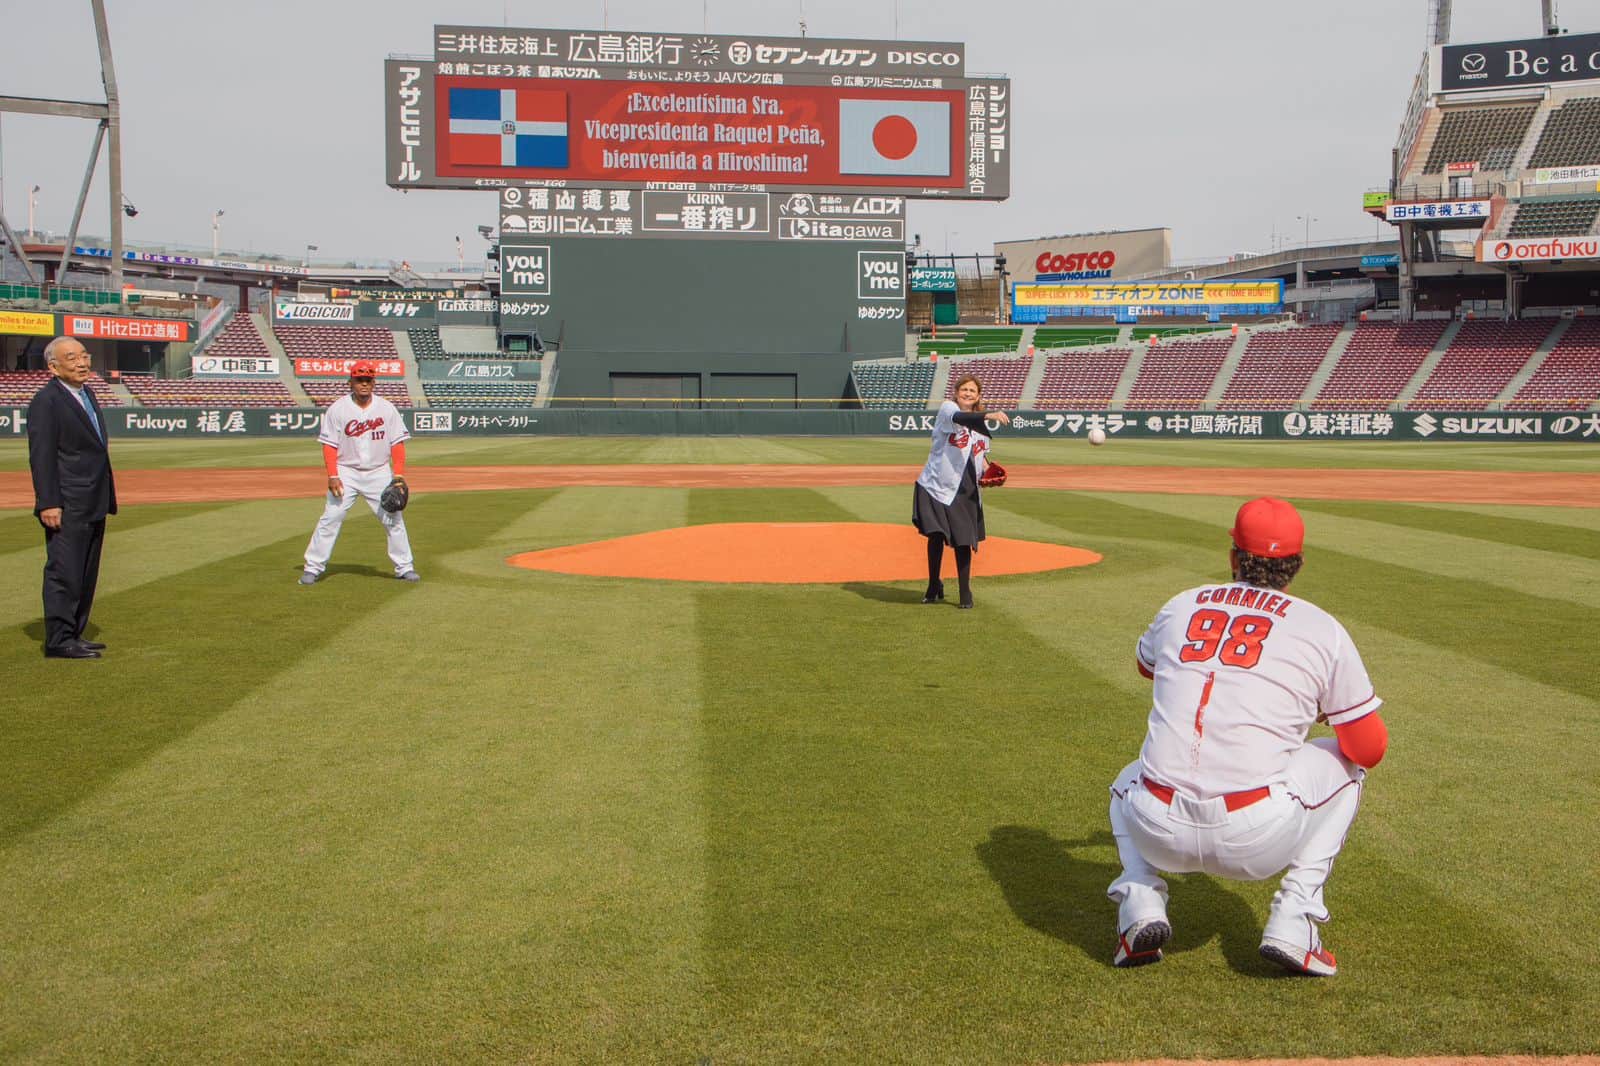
{"points": [[790, 553]]}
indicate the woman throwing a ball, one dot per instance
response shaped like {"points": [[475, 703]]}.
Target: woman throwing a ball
{"points": [[945, 505]]}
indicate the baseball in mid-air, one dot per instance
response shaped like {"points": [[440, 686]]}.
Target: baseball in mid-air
{"points": [[1097, 436]]}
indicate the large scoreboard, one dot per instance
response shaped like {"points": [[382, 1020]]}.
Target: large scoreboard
{"points": [[695, 113]]}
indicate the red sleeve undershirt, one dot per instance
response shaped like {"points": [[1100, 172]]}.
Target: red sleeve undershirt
{"points": [[1364, 740], [397, 456]]}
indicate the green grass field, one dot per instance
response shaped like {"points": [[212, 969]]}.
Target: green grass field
{"points": [[508, 815]]}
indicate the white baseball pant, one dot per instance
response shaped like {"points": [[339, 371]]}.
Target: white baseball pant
{"points": [[1301, 825], [369, 485]]}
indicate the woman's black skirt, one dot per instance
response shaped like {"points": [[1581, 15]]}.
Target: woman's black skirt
{"points": [[960, 524]]}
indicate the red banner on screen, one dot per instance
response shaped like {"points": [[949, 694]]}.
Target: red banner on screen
{"points": [[340, 368], [653, 131], [125, 329]]}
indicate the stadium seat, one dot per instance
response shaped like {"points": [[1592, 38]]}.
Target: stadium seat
{"points": [[1081, 380], [1379, 361], [893, 384], [1569, 378], [1178, 374], [1276, 368], [1479, 364]]}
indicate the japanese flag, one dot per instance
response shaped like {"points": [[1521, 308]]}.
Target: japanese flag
{"points": [[895, 137]]}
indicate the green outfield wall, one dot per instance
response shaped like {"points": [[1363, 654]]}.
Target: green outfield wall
{"points": [[1581, 426]]}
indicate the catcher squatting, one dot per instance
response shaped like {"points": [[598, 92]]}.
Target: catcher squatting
{"points": [[362, 434]]}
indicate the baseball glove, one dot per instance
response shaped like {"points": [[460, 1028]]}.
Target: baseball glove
{"points": [[395, 496], [995, 475]]}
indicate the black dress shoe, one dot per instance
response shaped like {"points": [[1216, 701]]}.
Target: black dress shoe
{"points": [[965, 604], [92, 645], [934, 594], [71, 651]]}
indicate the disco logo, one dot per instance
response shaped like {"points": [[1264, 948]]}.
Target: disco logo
{"points": [[1473, 63], [1294, 424], [1425, 425], [1502, 250]]}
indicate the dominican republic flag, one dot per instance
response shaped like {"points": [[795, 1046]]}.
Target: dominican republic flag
{"points": [[508, 127], [895, 137]]}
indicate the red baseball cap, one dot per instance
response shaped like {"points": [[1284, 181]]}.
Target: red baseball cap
{"points": [[363, 368], [1269, 527]]}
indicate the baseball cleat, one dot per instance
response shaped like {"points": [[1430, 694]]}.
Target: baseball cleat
{"points": [[1316, 961], [1140, 943], [410, 575], [308, 578]]}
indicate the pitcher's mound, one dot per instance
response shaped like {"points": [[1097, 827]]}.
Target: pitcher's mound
{"points": [[791, 553]]}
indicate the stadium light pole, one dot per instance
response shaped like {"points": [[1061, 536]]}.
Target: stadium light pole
{"points": [[33, 202], [306, 264], [216, 231], [1307, 219]]}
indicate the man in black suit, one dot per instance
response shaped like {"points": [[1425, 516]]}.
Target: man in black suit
{"points": [[72, 494]]}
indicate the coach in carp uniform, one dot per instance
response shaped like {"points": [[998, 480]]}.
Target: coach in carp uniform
{"points": [[73, 492]]}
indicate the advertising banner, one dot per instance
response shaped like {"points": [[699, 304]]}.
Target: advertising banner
{"points": [[315, 313], [1543, 249], [1368, 262], [161, 330], [585, 131], [1554, 175], [1374, 199], [1476, 211], [28, 323], [1089, 256], [1498, 64], [340, 368], [476, 370], [1161, 293], [234, 366], [933, 279], [537, 53], [1578, 427], [395, 314]]}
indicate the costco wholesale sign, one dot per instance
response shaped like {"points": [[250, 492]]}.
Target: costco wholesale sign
{"points": [[1088, 256], [1542, 250], [695, 113]]}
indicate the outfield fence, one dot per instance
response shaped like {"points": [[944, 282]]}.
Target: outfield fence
{"points": [[1575, 426]]}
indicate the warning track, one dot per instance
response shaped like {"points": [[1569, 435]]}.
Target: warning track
{"points": [[1535, 488]]}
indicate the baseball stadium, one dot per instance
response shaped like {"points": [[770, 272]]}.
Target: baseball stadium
{"points": [[642, 720]]}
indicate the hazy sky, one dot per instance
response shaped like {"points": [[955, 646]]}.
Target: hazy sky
{"points": [[1226, 120]]}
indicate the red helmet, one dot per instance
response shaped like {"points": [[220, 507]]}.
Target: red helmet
{"points": [[363, 368]]}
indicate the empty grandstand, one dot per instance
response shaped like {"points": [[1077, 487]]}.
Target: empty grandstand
{"points": [[1277, 366], [1479, 364], [326, 391], [18, 387], [1571, 135], [1380, 360], [1002, 378], [1569, 378], [893, 383], [480, 394], [207, 392], [1178, 374], [1555, 217], [334, 342], [1488, 136], [239, 338], [1082, 379], [970, 340]]}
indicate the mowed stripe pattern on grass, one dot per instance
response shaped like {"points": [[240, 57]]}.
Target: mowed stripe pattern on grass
{"points": [[506, 814]]}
